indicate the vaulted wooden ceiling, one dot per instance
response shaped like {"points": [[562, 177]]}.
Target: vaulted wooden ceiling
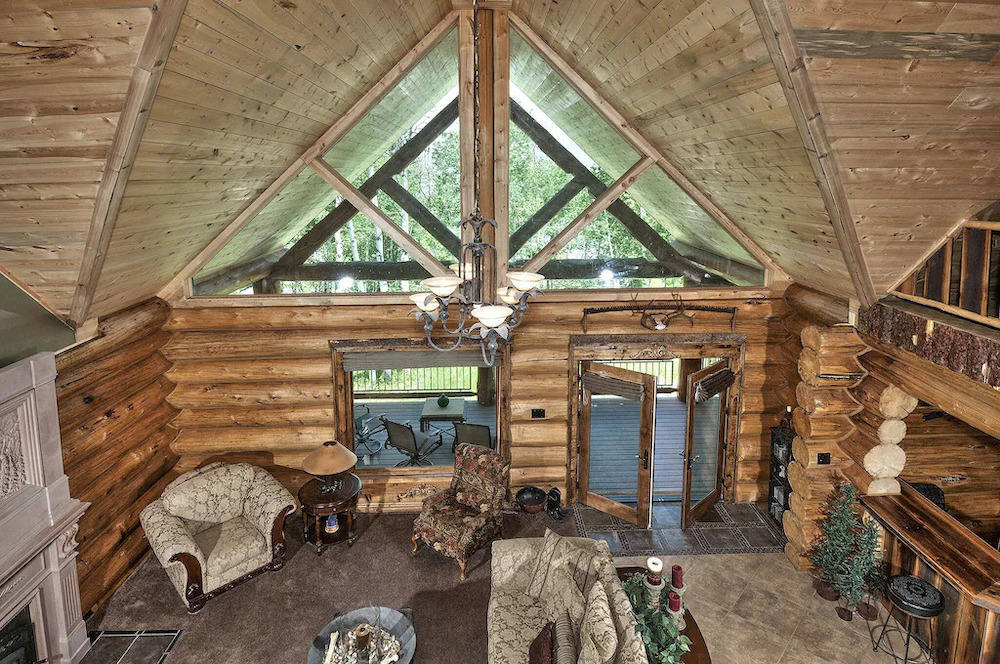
{"points": [[907, 95]]}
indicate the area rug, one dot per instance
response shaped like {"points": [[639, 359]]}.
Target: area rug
{"points": [[274, 617], [726, 528]]}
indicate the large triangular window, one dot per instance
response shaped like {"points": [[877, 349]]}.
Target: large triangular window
{"points": [[378, 211]]}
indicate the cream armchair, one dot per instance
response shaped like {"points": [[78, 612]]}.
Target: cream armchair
{"points": [[218, 526]]}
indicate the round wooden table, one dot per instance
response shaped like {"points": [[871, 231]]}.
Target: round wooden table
{"points": [[319, 507], [699, 649]]}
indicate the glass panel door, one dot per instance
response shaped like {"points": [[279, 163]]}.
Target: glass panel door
{"points": [[703, 449], [617, 421]]}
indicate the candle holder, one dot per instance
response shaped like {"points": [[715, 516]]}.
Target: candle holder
{"points": [[653, 582], [675, 609]]}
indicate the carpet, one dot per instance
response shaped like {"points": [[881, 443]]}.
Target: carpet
{"points": [[273, 618], [725, 528]]}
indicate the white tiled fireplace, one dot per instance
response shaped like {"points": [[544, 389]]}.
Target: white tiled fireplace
{"points": [[38, 518]]}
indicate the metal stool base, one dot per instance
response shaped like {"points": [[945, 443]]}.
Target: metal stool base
{"points": [[923, 652]]}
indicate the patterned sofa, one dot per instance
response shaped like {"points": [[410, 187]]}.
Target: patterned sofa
{"points": [[217, 526], [515, 616]]}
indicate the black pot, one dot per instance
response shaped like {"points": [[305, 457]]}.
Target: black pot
{"points": [[531, 499]]}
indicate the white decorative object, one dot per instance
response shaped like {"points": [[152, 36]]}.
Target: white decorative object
{"points": [[38, 518]]}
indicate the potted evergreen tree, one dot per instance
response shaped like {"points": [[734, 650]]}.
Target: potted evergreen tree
{"points": [[846, 555]]}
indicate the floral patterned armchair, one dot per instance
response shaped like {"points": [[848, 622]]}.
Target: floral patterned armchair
{"points": [[216, 527], [463, 518]]}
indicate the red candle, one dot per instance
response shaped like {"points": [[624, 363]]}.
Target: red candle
{"points": [[675, 601], [677, 576]]}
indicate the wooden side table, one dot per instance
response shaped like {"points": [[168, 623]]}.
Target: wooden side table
{"points": [[318, 507]]}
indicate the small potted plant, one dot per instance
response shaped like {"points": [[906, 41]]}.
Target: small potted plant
{"points": [[846, 555], [658, 630]]}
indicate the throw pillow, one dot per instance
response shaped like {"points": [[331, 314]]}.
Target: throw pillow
{"points": [[563, 640], [540, 650], [598, 638], [563, 596]]}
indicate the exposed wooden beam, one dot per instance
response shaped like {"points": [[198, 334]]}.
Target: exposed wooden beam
{"points": [[142, 88], [567, 161], [419, 212], [236, 277], [779, 37], [174, 290], [600, 204], [379, 218], [545, 214], [644, 146], [501, 138], [324, 229], [722, 266], [466, 113], [571, 268]]}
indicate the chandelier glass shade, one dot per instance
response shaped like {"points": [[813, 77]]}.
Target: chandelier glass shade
{"points": [[472, 304]]}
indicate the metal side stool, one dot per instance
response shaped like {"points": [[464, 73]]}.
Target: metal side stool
{"points": [[916, 599]]}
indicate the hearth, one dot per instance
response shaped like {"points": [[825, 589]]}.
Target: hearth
{"points": [[17, 640]]}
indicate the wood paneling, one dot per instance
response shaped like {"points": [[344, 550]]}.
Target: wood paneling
{"points": [[908, 94], [248, 88], [258, 379], [116, 435], [63, 79]]}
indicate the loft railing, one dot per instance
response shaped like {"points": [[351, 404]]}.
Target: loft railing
{"points": [[421, 382]]}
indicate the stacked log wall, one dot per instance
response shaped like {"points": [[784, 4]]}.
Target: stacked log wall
{"points": [[256, 381], [116, 435], [879, 428]]}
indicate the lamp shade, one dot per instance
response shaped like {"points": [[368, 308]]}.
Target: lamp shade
{"points": [[524, 281], [330, 458], [424, 301], [492, 316], [442, 286]]}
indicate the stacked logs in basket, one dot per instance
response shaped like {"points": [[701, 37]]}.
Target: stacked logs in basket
{"points": [[829, 368]]}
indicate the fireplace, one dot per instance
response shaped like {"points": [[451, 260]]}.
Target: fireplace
{"points": [[17, 640], [40, 613]]}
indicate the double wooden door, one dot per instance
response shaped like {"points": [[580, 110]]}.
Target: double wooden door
{"points": [[625, 429]]}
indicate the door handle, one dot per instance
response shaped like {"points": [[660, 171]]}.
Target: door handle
{"points": [[645, 459], [692, 460]]}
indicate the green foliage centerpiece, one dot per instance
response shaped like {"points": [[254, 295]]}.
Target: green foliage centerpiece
{"points": [[847, 553], [659, 630]]}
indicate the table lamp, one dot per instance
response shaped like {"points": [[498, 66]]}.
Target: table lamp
{"points": [[329, 462]]}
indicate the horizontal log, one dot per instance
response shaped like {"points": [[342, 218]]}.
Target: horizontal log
{"points": [[801, 533], [236, 277], [126, 422], [811, 510], [797, 558], [215, 395], [807, 453], [738, 273], [885, 461], [271, 416], [887, 400], [261, 439], [103, 462], [829, 370], [832, 340], [115, 331], [80, 377], [813, 427], [824, 401], [101, 395], [811, 484], [816, 306], [883, 430], [868, 485]]}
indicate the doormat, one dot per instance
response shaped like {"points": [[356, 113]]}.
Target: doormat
{"points": [[149, 646], [726, 528]]}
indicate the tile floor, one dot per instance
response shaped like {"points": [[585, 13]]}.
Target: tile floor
{"points": [[118, 647], [724, 528], [757, 609]]}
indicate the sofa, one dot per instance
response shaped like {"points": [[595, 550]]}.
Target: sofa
{"points": [[516, 616], [217, 526]]}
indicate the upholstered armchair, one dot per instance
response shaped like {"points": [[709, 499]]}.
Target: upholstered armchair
{"points": [[218, 526], [464, 517]]}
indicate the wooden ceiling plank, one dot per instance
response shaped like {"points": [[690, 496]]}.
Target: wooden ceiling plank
{"points": [[776, 28], [131, 125], [379, 218], [644, 146]]}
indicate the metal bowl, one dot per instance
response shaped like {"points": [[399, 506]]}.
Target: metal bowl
{"points": [[531, 499]]}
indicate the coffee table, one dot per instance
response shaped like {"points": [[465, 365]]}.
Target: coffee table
{"points": [[432, 412], [396, 622], [699, 649]]}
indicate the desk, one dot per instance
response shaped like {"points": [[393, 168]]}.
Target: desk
{"points": [[432, 412]]}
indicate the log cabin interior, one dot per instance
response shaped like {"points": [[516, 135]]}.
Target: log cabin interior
{"points": [[304, 301]]}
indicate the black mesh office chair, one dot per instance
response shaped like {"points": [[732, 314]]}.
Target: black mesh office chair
{"points": [[415, 445], [474, 434]]}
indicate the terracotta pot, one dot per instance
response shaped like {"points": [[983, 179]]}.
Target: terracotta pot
{"points": [[825, 590], [868, 611], [845, 614]]}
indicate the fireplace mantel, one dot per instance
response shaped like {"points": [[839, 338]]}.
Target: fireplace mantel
{"points": [[38, 518]]}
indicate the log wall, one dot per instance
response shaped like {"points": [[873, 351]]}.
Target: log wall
{"points": [[258, 380], [116, 434]]}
